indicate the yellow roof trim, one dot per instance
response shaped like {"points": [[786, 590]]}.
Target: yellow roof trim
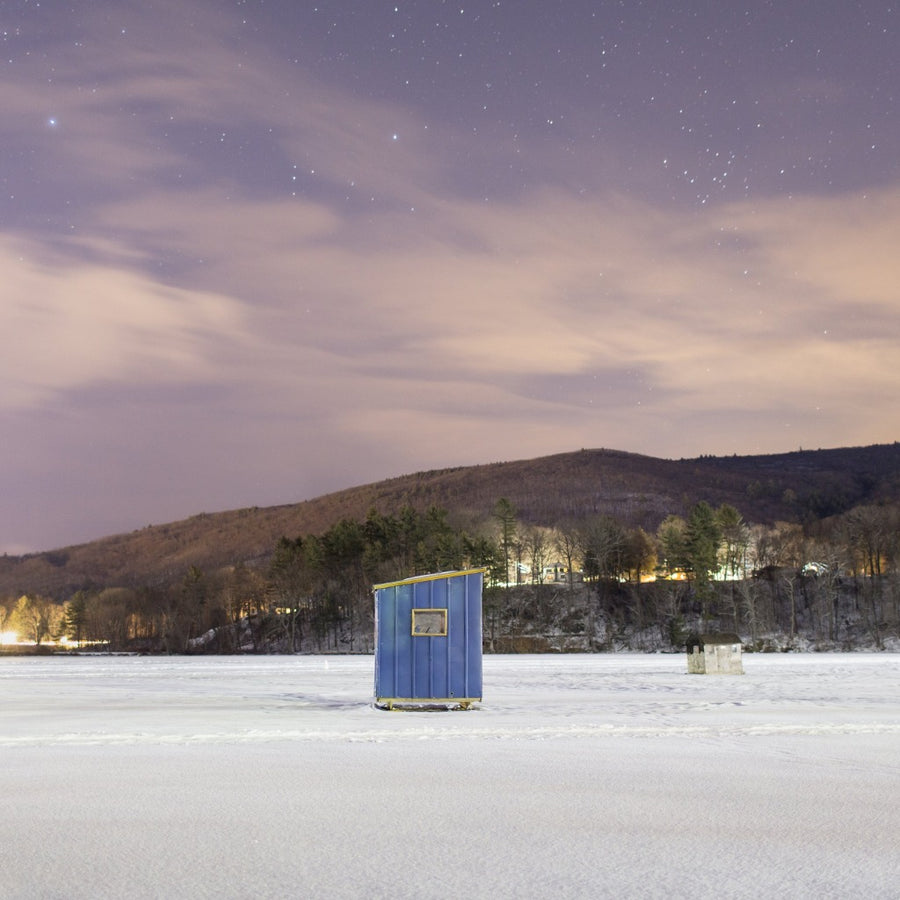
{"points": [[434, 577]]}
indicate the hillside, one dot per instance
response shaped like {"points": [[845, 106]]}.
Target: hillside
{"points": [[638, 490]]}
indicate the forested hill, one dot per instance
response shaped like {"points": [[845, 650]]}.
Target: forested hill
{"points": [[637, 490]]}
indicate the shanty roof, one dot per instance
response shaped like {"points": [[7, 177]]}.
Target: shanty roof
{"points": [[434, 576], [711, 639]]}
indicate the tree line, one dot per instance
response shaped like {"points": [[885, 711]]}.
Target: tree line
{"points": [[593, 576]]}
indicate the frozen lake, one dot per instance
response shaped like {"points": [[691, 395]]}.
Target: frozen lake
{"points": [[606, 775]]}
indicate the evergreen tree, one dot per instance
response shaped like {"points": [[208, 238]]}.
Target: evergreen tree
{"points": [[505, 516], [703, 540], [76, 617]]}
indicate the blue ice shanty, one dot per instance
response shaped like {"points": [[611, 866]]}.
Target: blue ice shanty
{"points": [[428, 640]]}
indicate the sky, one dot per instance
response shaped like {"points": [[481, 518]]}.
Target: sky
{"points": [[257, 251]]}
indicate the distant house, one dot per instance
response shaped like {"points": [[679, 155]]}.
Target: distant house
{"points": [[554, 572], [714, 654], [558, 573]]}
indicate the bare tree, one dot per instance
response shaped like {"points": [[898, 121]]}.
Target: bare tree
{"points": [[735, 540], [31, 617], [639, 554], [565, 540], [536, 543]]}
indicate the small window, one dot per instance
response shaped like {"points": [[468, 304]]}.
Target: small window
{"points": [[429, 622]]}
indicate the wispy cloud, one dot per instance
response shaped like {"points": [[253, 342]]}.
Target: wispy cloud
{"points": [[215, 234]]}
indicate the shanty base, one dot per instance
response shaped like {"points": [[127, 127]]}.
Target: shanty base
{"points": [[423, 704]]}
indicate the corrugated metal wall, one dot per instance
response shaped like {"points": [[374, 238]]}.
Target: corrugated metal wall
{"points": [[429, 666]]}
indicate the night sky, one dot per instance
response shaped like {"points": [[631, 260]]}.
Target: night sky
{"points": [[253, 252]]}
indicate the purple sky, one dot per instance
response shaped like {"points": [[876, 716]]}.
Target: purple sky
{"points": [[253, 252]]}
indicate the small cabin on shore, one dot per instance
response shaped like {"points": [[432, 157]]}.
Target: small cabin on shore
{"points": [[714, 654]]}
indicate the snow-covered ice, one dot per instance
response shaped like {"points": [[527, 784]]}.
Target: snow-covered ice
{"points": [[602, 776]]}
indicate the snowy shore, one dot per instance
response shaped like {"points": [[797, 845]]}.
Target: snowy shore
{"points": [[604, 775]]}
